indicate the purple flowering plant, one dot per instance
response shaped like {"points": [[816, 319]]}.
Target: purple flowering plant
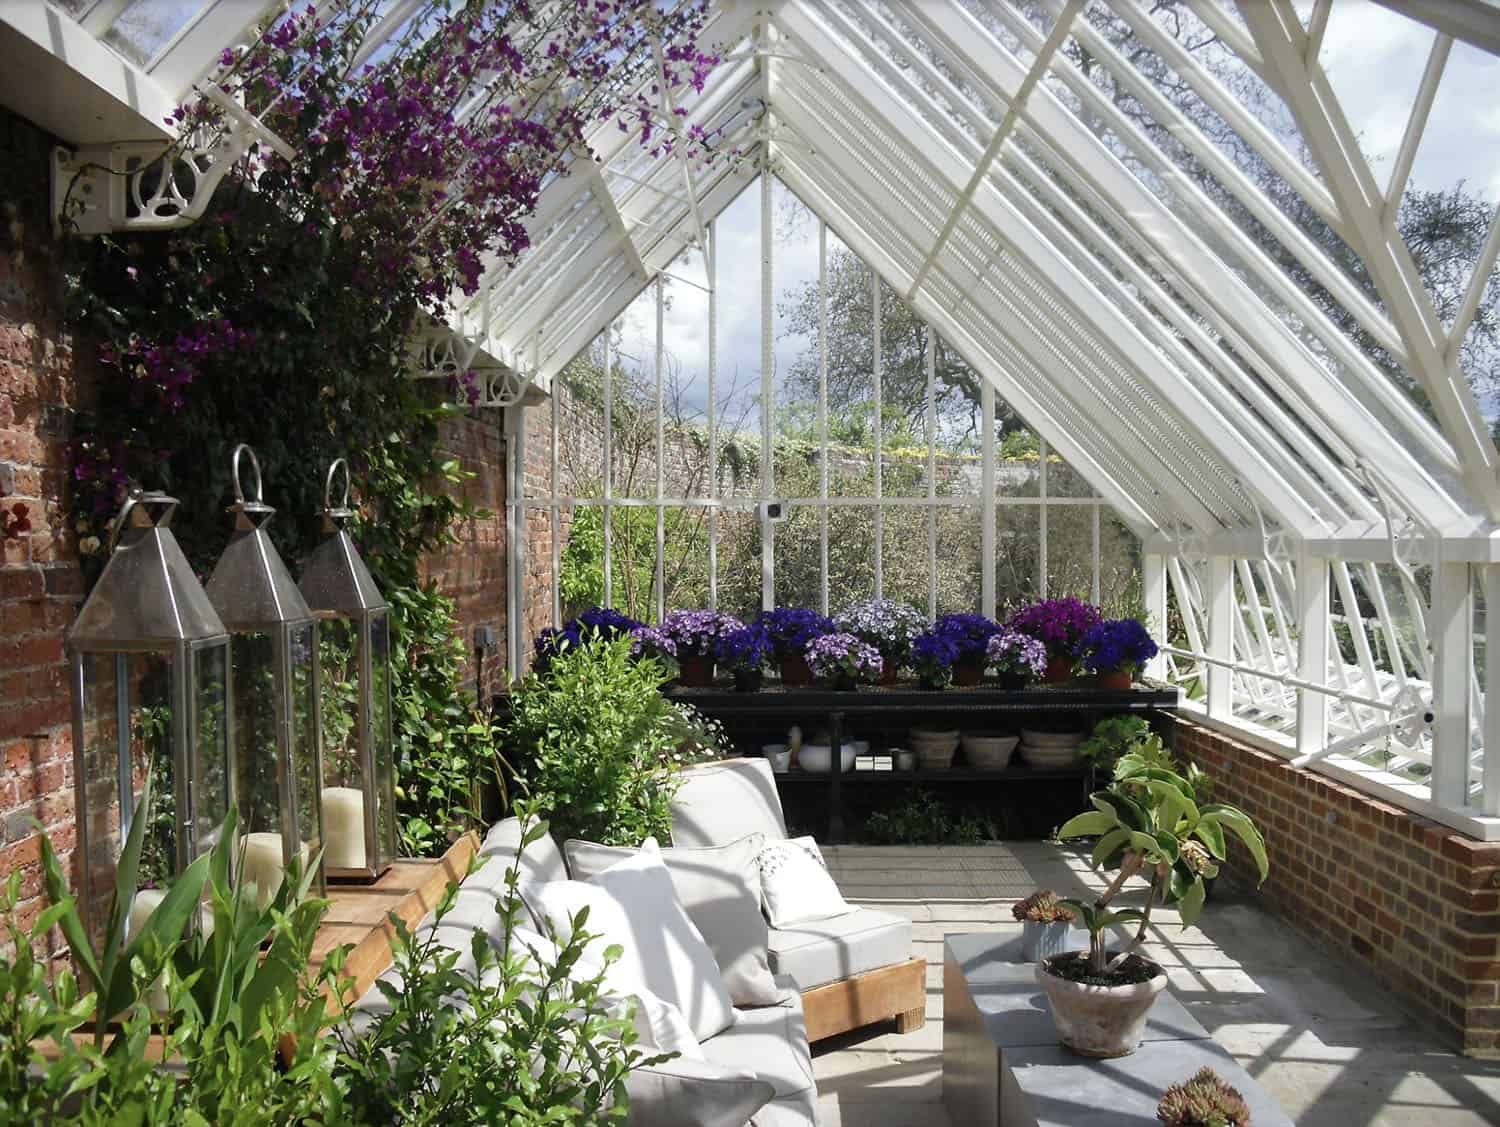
{"points": [[843, 657], [747, 649], [648, 641], [1116, 645], [601, 622], [887, 624], [791, 629], [1059, 624], [1018, 654], [696, 633]]}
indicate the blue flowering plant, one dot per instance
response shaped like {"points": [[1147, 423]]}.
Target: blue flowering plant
{"points": [[596, 622], [844, 660], [746, 650], [888, 625], [933, 654], [1117, 645], [696, 633], [792, 629], [1016, 655]]}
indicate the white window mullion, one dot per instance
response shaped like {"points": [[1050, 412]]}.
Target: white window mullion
{"points": [[556, 556], [932, 472], [712, 252], [1094, 582], [767, 390], [661, 463], [609, 464], [879, 457], [987, 499], [1041, 527], [823, 414]]}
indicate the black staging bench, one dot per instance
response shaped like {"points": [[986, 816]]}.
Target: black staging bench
{"points": [[776, 703]]}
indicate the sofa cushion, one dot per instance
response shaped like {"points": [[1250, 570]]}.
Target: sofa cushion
{"points": [[543, 860], [722, 802], [800, 1109], [770, 1041], [823, 951], [694, 1093], [794, 883], [720, 890], [632, 904]]}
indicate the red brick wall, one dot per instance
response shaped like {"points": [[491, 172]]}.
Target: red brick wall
{"points": [[1412, 900], [40, 582]]}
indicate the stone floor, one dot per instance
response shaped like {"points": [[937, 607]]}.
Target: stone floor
{"points": [[1328, 1042]]}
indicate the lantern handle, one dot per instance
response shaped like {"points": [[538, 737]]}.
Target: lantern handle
{"points": [[234, 473], [132, 499], [343, 505]]}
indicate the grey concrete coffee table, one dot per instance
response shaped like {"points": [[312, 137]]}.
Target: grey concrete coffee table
{"points": [[1002, 1063]]}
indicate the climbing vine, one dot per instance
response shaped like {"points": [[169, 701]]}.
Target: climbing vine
{"points": [[284, 317]]}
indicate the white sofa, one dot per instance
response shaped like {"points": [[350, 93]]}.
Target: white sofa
{"points": [[853, 969], [764, 1056]]}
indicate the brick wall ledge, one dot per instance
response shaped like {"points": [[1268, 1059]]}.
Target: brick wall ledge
{"points": [[1409, 899], [1381, 786]]}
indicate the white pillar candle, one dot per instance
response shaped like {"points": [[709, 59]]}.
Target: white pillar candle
{"points": [[141, 907], [343, 828], [261, 865]]}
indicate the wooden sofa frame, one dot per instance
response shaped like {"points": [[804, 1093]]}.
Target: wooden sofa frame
{"points": [[897, 992]]}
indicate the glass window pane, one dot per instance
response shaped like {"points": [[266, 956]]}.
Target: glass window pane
{"points": [[146, 26], [211, 745], [1016, 538], [959, 564], [380, 735], [306, 770], [256, 753]]}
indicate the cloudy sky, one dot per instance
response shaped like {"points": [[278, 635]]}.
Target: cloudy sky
{"points": [[1374, 59]]}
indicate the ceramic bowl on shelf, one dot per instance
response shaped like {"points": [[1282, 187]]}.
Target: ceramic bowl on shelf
{"points": [[780, 756], [937, 758], [988, 751], [942, 734], [1049, 758], [816, 758], [905, 759], [1030, 737]]}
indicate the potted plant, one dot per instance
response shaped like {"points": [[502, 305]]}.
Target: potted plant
{"points": [[1045, 924], [933, 653], [842, 661], [790, 630], [696, 634], [1059, 624], [1115, 650], [970, 635], [1149, 822], [648, 641], [744, 652], [889, 626], [1205, 1100], [1017, 658], [596, 622], [1122, 734]]}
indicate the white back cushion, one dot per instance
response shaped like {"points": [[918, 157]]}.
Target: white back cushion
{"points": [[722, 802], [795, 883]]}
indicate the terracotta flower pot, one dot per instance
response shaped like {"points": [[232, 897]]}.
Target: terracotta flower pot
{"points": [[1099, 1021], [794, 670], [968, 672], [1114, 679], [888, 670], [695, 671], [1058, 669]]}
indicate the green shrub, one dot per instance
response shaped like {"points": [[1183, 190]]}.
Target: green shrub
{"points": [[536, 1040], [594, 741], [923, 820]]}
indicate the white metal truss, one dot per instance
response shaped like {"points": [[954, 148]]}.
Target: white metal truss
{"points": [[1324, 540]]}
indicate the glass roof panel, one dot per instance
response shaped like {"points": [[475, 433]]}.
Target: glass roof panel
{"points": [[146, 26]]}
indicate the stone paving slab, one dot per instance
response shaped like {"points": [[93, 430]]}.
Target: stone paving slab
{"points": [[1327, 1042]]}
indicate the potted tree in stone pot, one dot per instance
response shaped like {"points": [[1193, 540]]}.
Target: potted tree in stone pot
{"points": [[1147, 820]]}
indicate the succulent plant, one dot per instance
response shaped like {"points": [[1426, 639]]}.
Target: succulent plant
{"points": [[1205, 1100], [1042, 906]]}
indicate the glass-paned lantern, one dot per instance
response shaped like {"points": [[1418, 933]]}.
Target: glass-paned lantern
{"points": [[354, 716], [150, 678], [278, 773]]}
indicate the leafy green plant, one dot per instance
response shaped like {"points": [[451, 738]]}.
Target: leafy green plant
{"points": [[522, 1038], [923, 820], [1118, 735], [1149, 821], [594, 741]]}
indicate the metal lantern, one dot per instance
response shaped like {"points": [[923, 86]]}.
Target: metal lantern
{"points": [[150, 685], [272, 649], [354, 660]]}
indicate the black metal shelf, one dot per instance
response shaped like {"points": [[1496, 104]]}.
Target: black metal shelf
{"points": [[952, 775], [908, 697]]}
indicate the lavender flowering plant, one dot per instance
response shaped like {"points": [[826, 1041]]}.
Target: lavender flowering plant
{"points": [[1116, 645], [886, 624], [696, 633], [791, 629], [648, 641], [1059, 624], [1017, 654], [843, 657], [746, 649]]}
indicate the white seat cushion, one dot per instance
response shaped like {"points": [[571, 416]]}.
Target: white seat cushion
{"points": [[823, 951], [694, 1093], [720, 890], [722, 802], [632, 904], [770, 1041]]}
